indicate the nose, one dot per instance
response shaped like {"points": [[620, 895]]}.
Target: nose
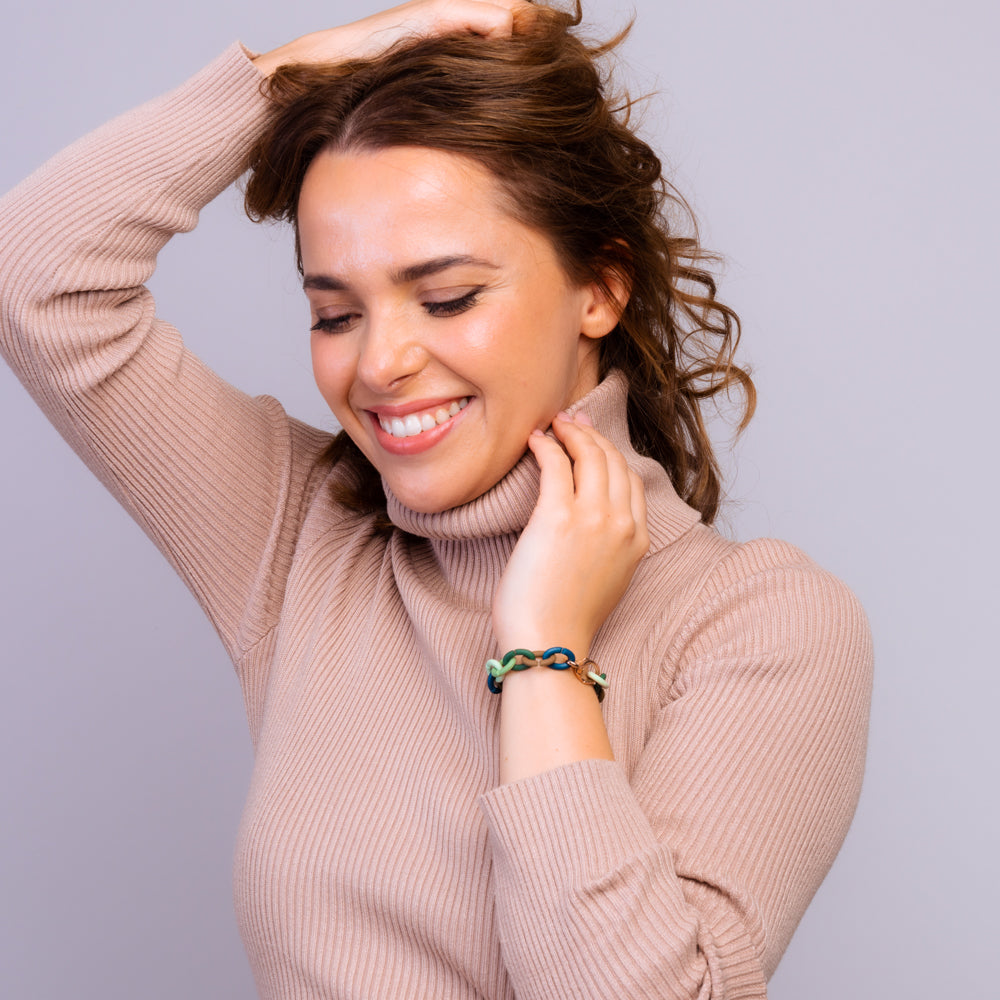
{"points": [[390, 352]]}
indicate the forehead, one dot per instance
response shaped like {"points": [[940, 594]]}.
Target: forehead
{"points": [[408, 200], [403, 180]]}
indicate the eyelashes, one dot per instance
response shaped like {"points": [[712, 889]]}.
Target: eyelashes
{"points": [[452, 307], [333, 324], [440, 310]]}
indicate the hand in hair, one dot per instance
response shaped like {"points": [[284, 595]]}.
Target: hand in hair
{"points": [[369, 37]]}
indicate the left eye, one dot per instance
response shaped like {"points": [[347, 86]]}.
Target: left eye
{"points": [[452, 307]]}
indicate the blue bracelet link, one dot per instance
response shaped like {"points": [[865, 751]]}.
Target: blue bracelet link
{"points": [[555, 657]]}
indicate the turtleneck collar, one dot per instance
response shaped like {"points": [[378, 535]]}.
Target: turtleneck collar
{"points": [[504, 510]]}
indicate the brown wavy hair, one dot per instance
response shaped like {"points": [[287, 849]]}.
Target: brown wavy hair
{"points": [[537, 112]]}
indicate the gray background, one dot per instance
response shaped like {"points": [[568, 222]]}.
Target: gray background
{"points": [[843, 157]]}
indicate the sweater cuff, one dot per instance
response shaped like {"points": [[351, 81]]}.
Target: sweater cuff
{"points": [[577, 837], [216, 115]]}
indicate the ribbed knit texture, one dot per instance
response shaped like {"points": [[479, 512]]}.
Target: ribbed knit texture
{"points": [[377, 856]]}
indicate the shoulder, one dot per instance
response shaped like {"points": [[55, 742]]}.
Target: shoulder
{"points": [[746, 607], [775, 587], [766, 609]]}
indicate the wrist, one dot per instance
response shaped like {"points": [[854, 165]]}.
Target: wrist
{"points": [[333, 45], [527, 635], [547, 720]]}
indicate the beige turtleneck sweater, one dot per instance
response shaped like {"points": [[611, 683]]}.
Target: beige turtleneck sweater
{"points": [[377, 856]]}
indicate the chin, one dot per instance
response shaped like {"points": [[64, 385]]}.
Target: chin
{"points": [[425, 498], [423, 502]]}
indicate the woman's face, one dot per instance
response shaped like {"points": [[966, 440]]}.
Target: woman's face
{"points": [[443, 330]]}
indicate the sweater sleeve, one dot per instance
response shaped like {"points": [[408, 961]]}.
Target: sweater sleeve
{"points": [[686, 877], [215, 478]]}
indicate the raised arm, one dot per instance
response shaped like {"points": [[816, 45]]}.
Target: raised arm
{"points": [[206, 471], [218, 480]]}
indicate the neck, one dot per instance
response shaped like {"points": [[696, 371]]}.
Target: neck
{"points": [[472, 543]]}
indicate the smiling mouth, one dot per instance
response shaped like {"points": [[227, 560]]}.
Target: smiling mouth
{"points": [[416, 423]]}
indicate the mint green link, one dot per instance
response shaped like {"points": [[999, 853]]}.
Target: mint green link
{"points": [[500, 669]]}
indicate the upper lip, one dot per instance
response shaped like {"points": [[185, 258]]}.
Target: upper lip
{"points": [[414, 406]]}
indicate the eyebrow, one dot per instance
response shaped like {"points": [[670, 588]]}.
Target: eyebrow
{"points": [[412, 272]]}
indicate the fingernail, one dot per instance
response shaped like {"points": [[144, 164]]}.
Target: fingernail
{"points": [[563, 415]]}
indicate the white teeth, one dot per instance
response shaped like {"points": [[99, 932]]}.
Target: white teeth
{"points": [[416, 423]]}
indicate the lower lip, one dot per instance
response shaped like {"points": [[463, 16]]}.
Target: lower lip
{"points": [[419, 442]]}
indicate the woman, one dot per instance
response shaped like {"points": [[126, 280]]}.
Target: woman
{"points": [[516, 347]]}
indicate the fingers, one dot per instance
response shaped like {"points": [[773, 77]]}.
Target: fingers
{"points": [[557, 472], [593, 463], [496, 19], [489, 18], [594, 474], [371, 36], [599, 467]]}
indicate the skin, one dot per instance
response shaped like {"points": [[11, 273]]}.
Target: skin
{"points": [[423, 290], [372, 35]]}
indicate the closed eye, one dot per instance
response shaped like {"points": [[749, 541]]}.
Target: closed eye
{"points": [[449, 307], [333, 324], [452, 307]]}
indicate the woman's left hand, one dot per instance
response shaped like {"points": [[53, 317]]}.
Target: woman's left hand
{"points": [[577, 554]]}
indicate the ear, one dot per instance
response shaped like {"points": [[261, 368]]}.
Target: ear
{"points": [[603, 305]]}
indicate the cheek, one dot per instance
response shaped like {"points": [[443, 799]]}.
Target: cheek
{"points": [[330, 372], [539, 327]]}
